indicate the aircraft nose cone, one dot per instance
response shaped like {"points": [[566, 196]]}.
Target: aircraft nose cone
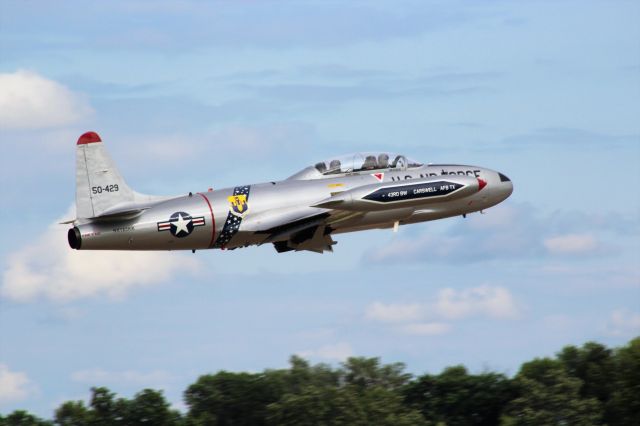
{"points": [[509, 189]]}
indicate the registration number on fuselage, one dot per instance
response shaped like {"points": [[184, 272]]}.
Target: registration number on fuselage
{"points": [[107, 188]]}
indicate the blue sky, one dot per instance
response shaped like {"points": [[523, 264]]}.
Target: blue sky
{"points": [[189, 95]]}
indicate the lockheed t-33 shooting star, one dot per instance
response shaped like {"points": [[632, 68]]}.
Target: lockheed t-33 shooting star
{"points": [[303, 212]]}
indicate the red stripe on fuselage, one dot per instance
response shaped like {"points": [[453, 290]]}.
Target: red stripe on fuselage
{"points": [[213, 220]]}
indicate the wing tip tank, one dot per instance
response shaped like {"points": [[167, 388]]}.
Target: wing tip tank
{"points": [[88, 137]]}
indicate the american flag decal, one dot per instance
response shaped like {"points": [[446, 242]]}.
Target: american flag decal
{"points": [[234, 217]]}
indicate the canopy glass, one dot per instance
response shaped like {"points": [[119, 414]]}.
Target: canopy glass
{"points": [[356, 163]]}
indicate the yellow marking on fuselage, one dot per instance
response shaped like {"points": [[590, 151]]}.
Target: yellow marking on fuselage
{"points": [[238, 203]]}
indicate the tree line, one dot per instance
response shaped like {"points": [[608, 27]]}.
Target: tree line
{"points": [[588, 385]]}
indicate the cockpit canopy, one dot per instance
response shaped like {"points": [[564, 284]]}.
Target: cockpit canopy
{"points": [[363, 162]]}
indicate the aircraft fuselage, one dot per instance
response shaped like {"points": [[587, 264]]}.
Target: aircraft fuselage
{"points": [[261, 213]]}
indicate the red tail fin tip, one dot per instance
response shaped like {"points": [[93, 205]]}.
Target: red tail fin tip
{"points": [[89, 137]]}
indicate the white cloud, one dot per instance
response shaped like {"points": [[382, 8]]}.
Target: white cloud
{"points": [[510, 231], [129, 377], [14, 386], [394, 312], [571, 244], [28, 101], [336, 352], [49, 268], [425, 328], [450, 304], [623, 323], [495, 302]]}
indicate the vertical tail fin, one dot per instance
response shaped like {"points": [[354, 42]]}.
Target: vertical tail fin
{"points": [[99, 185]]}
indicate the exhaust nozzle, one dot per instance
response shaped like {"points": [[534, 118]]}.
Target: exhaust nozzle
{"points": [[75, 240]]}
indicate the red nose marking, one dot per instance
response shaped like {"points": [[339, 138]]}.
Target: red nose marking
{"points": [[89, 137], [481, 184]]}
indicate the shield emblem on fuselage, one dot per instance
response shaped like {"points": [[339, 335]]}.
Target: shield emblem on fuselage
{"points": [[238, 204]]}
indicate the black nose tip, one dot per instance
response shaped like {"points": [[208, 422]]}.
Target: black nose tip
{"points": [[503, 178]]}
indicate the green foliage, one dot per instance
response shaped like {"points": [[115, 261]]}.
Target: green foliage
{"points": [[367, 372], [72, 413], [593, 365], [362, 392], [548, 396], [588, 385], [610, 376], [104, 411], [232, 398], [541, 370], [149, 407], [624, 406], [457, 398], [22, 418], [302, 374]]}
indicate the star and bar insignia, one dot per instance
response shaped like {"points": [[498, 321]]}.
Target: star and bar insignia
{"points": [[181, 224]]}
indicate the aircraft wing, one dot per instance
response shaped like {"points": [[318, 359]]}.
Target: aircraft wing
{"points": [[297, 229]]}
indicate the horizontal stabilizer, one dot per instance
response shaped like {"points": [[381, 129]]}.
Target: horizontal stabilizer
{"points": [[120, 215]]}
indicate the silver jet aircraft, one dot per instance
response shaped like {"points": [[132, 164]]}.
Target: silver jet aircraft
{"points": [[303, 212]]}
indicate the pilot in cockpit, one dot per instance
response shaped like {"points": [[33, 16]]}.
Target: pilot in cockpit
{"points": [[383, 161], [321, 167], [334, 166], [370, 163]]}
